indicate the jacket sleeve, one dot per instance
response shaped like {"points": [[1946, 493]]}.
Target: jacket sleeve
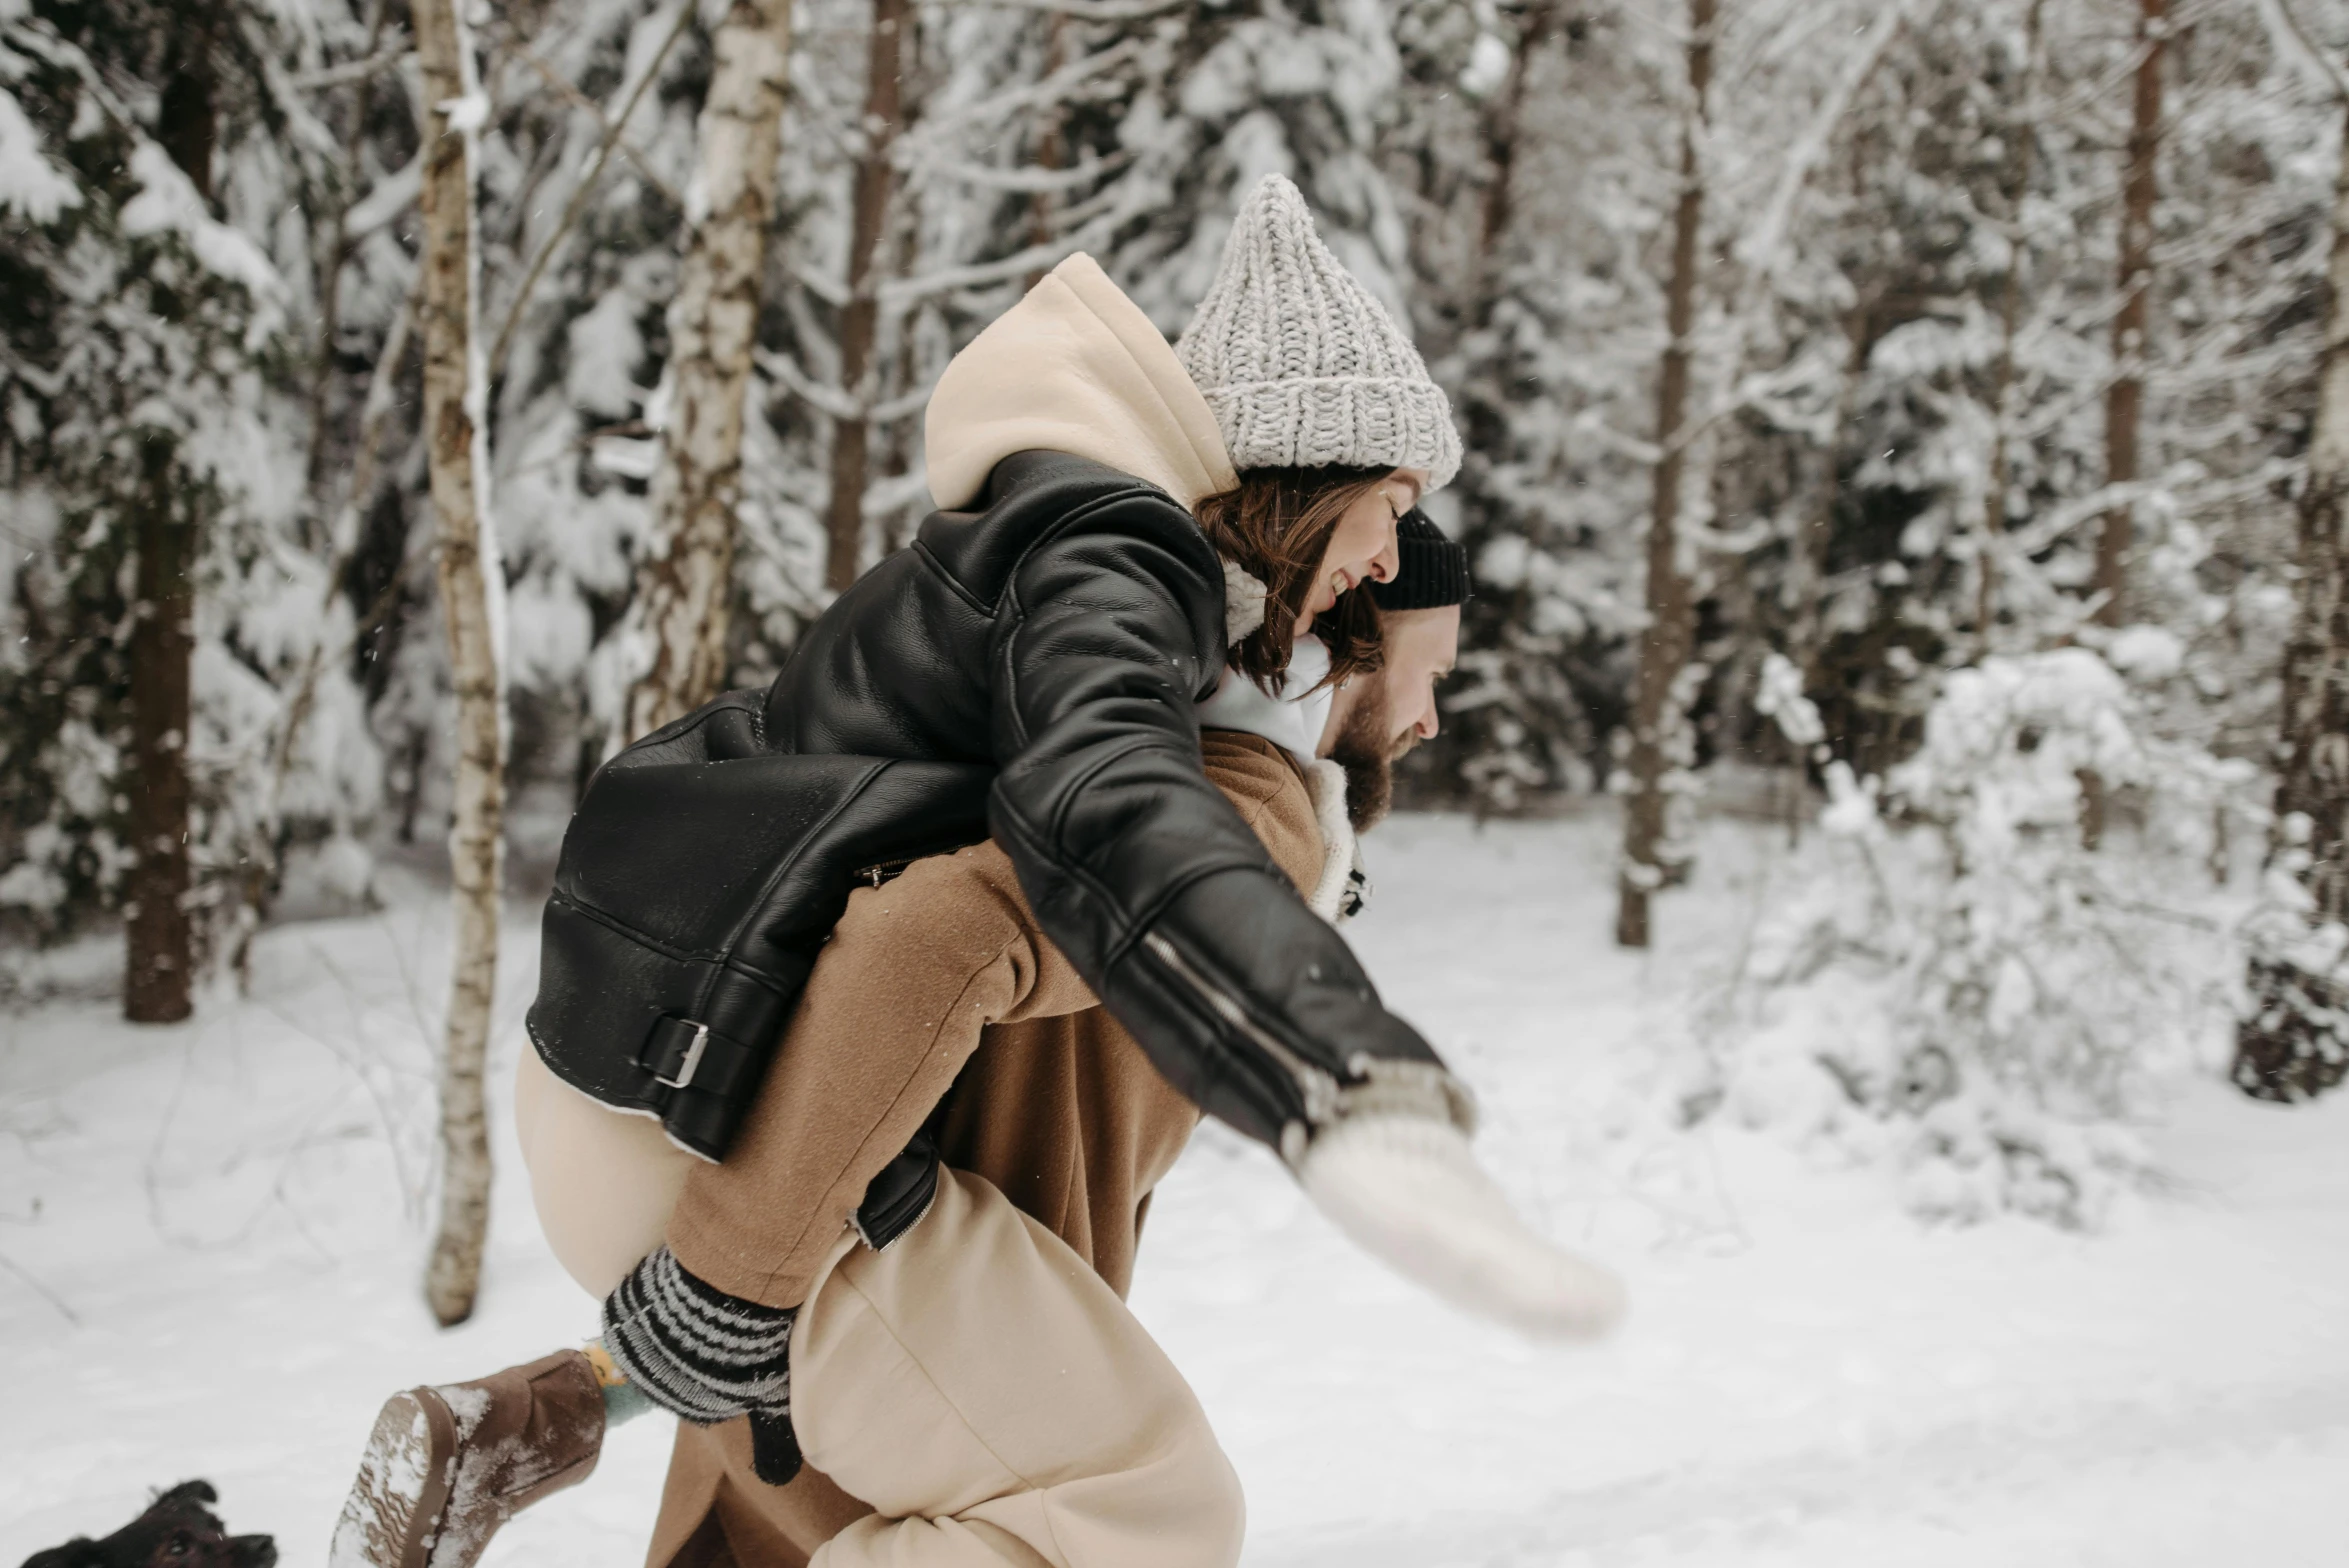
{"points": [[1140, 869]]}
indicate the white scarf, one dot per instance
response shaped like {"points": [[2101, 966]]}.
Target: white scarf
{"points": [[1291, 717]]}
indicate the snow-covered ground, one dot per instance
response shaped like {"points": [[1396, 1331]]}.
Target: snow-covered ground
{"points": [[210, 1237]]}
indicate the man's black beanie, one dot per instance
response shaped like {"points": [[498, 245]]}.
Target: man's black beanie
{"points": [[1434, 570]]}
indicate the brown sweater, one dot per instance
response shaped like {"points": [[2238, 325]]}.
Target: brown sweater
{"points": [[938, 979]]}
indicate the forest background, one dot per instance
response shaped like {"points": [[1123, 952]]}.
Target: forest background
{"points": [[1928, 419]]}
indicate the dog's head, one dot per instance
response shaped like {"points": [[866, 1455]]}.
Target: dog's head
{"points": [[176, 1531]]}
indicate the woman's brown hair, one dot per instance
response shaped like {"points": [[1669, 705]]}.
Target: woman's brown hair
{"points": [[1274, 526]]}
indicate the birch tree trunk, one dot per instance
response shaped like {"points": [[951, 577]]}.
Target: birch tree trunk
{"points": [[2291, 1043], [677, 623], [2125, 400], [1671, 610], [472, 591], [159, 957], [860, 320]]}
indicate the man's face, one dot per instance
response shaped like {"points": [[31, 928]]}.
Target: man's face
{"points": [[1379, 717]]}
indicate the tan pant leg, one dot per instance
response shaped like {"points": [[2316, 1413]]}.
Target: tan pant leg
{"points": [[996, 1403]]}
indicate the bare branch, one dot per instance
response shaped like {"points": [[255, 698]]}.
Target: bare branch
{"points": [[901, 292], [586, 188], [350, 70], [579, 100], [988, 177], [389, 197], [827, 400], [1056, 87], [1094, 10], [2292, 42], [343, 545], [1761, 251], [830, 401]]}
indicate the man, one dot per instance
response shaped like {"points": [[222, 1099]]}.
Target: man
{"points": [[905, 1387], [1370, 730]]}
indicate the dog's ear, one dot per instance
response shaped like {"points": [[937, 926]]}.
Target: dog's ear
{"points": [[80, 1552], [189, 1492]]}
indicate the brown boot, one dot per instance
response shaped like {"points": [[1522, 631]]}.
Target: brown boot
{"points": [[445, 1467]]}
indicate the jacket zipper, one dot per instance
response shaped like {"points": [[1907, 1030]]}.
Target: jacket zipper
{"points": [[1319, 1086]]}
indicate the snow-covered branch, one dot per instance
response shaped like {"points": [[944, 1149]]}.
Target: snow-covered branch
{"points": [[898, 293], [1030, 180], [2292, 43], [349, 71], [585, 189], [945, 129], [1091, 10]]}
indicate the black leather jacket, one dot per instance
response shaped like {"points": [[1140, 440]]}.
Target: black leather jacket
{"points": [[1049, 648]]}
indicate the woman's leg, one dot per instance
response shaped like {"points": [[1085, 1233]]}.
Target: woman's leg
{"points": [[996, 1403]]}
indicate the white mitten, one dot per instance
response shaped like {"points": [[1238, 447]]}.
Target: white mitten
{"points": [[1407, 1189]]}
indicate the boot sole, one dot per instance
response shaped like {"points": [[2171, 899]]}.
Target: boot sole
{"points": [[397, 1502]]}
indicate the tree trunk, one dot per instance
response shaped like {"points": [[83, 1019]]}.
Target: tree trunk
{"points": [[2291, 1043], [860, 320], [684, 585], [2125, 400], [472, 591], [158, 935], [1499, 132], [1670, 634], [1051, 141], [160, 938], [2010, 308]]}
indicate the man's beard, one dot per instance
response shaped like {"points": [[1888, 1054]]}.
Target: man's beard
{"points": [[1369, 757]]}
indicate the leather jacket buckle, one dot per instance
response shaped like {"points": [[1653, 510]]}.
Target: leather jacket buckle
{"points": [[673, 1060]]}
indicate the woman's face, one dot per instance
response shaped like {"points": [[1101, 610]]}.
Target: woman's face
{"points": [[1362, 547]]}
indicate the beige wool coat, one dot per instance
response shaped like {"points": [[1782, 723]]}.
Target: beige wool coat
{"points": [[937, 980]]}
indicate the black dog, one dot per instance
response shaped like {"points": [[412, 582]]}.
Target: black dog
{"points": [[176, 1531]]}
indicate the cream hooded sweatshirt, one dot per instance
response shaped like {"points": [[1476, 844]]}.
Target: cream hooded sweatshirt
{"points": [[1074, 367]]}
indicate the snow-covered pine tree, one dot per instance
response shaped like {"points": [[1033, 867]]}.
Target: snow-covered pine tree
{"points": [[157, 180], [1226, 94]]}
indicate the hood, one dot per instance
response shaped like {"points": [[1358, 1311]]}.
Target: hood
{"points": [[1074, 367], [1291, 718]]}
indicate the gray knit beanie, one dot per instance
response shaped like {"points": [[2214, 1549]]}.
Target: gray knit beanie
{"points": [[1302, 367]]}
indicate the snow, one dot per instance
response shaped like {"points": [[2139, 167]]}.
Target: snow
{"points": [[213, 1233], [167, 201], [30, 185]]}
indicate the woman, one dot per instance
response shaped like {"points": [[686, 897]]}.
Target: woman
{"points": [[1123, 528]]}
